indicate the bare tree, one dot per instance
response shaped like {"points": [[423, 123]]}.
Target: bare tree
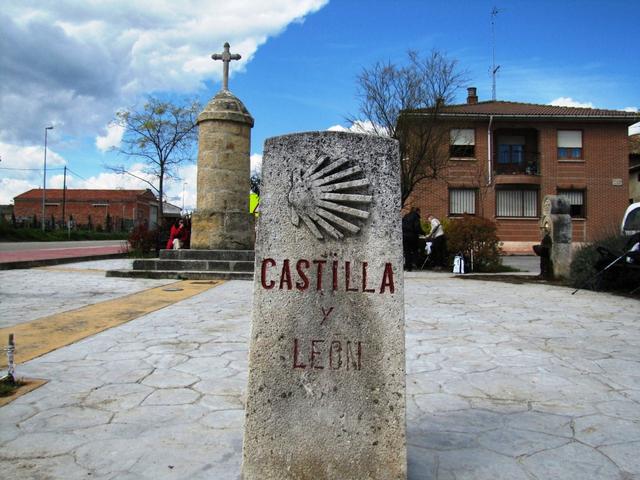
{"points": [[391, 95], [163, 135]]}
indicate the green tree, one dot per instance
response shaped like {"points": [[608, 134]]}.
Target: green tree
{"points": [[163, 135]]}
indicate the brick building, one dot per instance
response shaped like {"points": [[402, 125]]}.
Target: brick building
{"points": [[96, 208], [504, 157], [634, 169]]}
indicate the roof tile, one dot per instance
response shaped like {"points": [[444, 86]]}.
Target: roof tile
{"points": [[498, 108]]}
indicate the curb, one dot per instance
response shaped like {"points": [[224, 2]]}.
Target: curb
{"points": [[43, 262]]}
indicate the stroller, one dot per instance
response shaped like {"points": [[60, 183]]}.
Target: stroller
{"points": [[626, 265]]}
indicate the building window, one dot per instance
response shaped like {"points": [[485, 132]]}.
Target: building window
{"points": [[576, 201], [511, 150], [516, 202], [463, 143], [570, 144], [461, 201]]}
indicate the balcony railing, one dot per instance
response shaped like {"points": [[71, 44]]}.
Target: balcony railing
{"points": [[516, 163]]}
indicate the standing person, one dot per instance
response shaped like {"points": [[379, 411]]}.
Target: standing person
{"points": [[411, 230], [439, 243]]}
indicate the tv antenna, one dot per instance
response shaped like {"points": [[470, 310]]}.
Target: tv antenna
{"points": [[494, 67]]}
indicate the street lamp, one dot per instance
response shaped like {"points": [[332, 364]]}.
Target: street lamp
{"points": [[44, 176]]}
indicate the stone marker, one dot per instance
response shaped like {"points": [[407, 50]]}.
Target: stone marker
{"points": [[556, 223], [326, 393]]}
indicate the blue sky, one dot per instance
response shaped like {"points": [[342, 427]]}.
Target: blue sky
{"points": [[73, 64]]}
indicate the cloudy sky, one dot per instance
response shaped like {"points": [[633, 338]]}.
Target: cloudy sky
{"points": [[74, 63]]}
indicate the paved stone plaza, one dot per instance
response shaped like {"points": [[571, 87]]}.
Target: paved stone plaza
{"points": [[504, 382]]}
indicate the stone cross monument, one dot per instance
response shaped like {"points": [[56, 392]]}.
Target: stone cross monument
{"points": [[326, 392], [222, 220], [226, 56]]}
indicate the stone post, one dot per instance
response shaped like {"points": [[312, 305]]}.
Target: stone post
{"points": [[222, 220], [326, 392], [556, 223]]}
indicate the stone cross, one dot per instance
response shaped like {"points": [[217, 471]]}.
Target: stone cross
{"points": [[226, 57], [326, 392]]}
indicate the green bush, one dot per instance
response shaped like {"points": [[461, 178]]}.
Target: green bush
{"points": [[469, 234], [587, 262], [142, 241]]}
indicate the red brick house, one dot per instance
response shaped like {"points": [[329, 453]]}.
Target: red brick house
{"points": [[96, 208], [504, 157]]}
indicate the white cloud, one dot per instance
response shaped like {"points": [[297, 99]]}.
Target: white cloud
{"points": [[74, 62], [187, 181], [111, 139], [357, 127], [21, 169], [570, 102], [12, 187], [256, 162], [631, 109]]}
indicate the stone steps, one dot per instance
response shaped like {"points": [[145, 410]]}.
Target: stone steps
{"points": [[239, 255], [193, 265]]}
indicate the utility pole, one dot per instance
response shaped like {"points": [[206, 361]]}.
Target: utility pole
{"points": [[494, 67], [44, 176], [64, 196]]}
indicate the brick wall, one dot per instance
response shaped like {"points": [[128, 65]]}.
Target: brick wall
{"points": [[85, 210], [602, 174]]}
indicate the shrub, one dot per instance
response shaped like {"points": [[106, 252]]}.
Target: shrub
{"points": [[470, 234], [142, 240], [587, 262]]}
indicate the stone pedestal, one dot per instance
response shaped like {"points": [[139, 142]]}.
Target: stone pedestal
{"points": [[222, 220], [556, 223]]}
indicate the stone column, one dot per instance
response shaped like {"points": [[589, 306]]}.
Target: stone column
{"points": [[222, 220], [556, 222]]}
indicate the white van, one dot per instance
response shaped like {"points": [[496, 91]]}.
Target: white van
{"points": [[631, 220]]}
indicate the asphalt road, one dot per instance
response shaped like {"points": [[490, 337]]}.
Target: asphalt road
{"points": [[19, 246]]}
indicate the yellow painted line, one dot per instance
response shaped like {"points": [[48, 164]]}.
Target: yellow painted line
{"points": [[46, 334]]}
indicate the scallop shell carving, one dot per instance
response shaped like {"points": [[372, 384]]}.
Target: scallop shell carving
{"points": [[331, 198]]}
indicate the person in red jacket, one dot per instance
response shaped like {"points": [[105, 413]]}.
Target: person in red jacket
{"points": [[177, 236]]}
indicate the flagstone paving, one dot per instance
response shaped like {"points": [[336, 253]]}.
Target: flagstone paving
{"points": [[503, 382]]}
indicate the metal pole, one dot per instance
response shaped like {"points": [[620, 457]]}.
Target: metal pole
{"points": [[183, 185], [64, 196], [44, 176], [11, 367]]}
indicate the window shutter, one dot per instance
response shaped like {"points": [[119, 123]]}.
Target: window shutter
{"points": [[462, 200], [569, 139], [575, 197], [463, 136]]}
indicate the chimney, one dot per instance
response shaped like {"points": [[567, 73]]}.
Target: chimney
{"points": [[472, 97]]}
